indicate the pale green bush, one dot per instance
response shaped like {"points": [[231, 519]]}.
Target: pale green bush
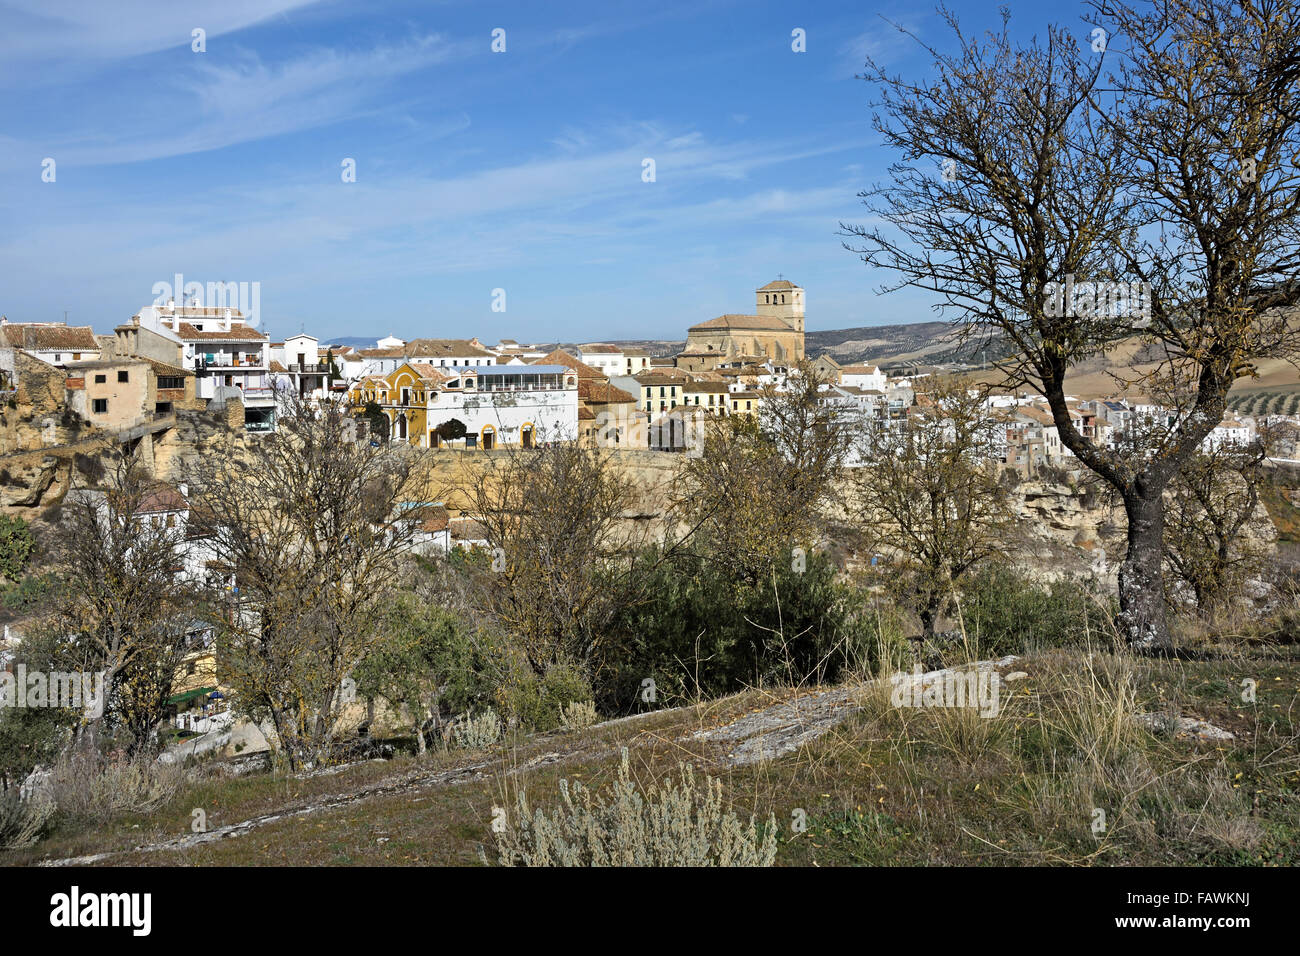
{"points": [[90, 786], [475, 733], [22, 821], [676, 824], [578, 715]]}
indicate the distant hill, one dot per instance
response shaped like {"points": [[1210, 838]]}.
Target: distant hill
{"points": [[924, 343]]}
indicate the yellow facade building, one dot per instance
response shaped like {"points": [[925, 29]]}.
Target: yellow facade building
{"points": [[776, 331]]}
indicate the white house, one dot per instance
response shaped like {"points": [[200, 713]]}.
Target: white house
{"points": [[608, 359], [1229, 433], [225, 353], [449, 353], [863, 376], [54, 342], [498, 404], [298, 366]]}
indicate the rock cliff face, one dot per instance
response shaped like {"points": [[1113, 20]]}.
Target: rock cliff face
{"points": [[41, 452], [197, 435], [1068, 530]]}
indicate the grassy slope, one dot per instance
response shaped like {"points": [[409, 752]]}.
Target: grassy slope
{"points": [[889, 786]]}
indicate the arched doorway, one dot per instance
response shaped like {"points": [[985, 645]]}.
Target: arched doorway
{"points": [[526, 435], [401, 427], [489, 438]]}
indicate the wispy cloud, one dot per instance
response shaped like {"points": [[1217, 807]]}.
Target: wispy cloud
{"points": [[225, 103], [41, 32]]}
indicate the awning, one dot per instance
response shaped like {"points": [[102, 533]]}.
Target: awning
{"points": [[190, 695]]}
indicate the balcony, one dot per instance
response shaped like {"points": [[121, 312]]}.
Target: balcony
{"points": [[310, 368], [224, 360]]}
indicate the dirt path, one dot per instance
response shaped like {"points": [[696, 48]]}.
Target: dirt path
{"points": [[787, 726], [764, 735]]}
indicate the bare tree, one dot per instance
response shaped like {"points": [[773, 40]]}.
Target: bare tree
{"points": [[315, 523], [758, 486], [124, 602], [1212, 503], [1166, 197], [929, 493], [555, 520]]}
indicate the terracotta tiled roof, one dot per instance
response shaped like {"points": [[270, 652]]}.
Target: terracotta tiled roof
{"points": [[432, 373], [237, 333], [431, 518], [162, 368], [648, 380], [859, 370], [660, 372], [466, 528], [778, 285], [444, 348], [39, 336], [1040, 415], [603, 393], [161, 498], [561, 357], [756, 323]]}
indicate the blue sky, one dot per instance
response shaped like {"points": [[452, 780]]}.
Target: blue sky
{"points": [[475, 170]]}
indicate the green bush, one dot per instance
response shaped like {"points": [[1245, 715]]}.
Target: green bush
{"points": [[702, 628], [1003, 611], [16, 545], [878, 639], [424, 662], [28, 593], [536, 703]]}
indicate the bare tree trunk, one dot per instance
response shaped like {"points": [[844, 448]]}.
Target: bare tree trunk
{"points": [[1142, 617], [929, 613]]}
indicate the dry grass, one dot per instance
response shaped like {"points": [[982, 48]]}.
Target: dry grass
{"points": [[890, 786]]}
